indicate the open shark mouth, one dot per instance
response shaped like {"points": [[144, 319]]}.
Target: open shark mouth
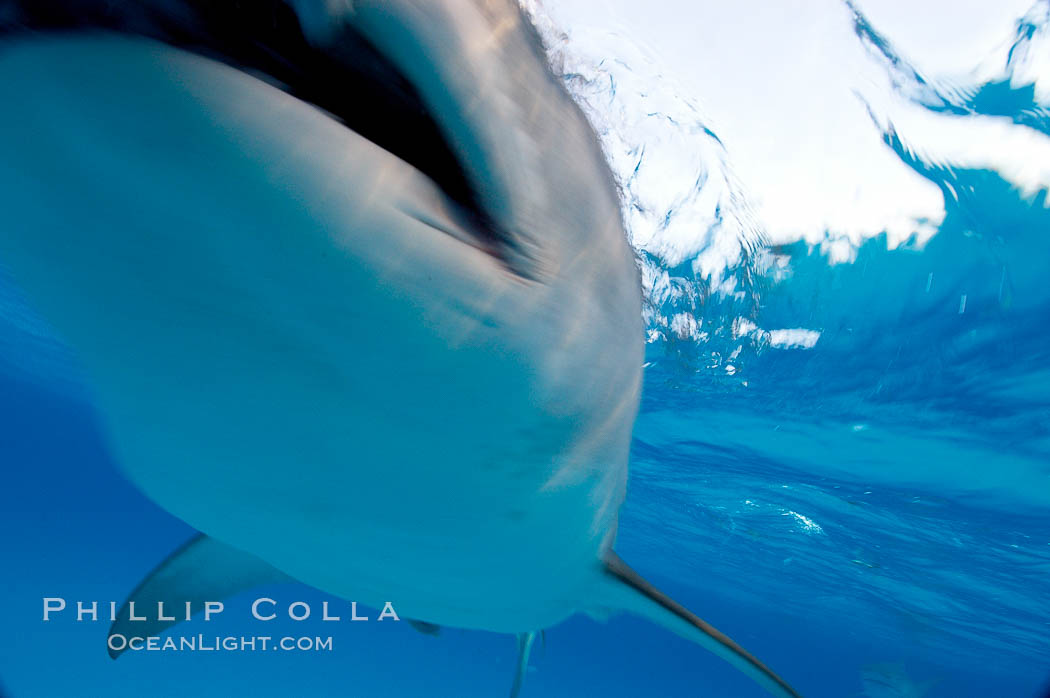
{"points": [[348, 78]]}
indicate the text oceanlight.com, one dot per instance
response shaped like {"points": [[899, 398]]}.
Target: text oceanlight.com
{"points": [[215, 643]]}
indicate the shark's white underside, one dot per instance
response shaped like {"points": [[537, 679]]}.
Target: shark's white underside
{"points": [[288, 358]]}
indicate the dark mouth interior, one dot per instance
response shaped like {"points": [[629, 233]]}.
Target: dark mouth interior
{"points": [[351, 81]]}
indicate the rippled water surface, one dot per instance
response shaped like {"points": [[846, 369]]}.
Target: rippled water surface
{"points": [[847, 403]]}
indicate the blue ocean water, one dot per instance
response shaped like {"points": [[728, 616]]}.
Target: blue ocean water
{"points": [[864, 508]]}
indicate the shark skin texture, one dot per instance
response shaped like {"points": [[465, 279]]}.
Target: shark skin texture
{"points": [[407, 378]]}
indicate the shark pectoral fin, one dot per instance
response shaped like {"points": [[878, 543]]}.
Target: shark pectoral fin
{"points": [[201, 570], [525, 641], [424, 627], [627, 590]]}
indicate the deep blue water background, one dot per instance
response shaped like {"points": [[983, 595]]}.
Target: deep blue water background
{"points": [[869, 515]]}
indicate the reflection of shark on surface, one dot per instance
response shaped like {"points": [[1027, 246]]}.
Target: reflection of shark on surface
{"points": [[391, 346], [892, 681]]}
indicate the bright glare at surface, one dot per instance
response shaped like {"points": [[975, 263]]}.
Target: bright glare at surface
{"points": [[802, 103]]}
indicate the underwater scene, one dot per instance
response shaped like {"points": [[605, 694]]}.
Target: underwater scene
{"points": [[837, 211]]}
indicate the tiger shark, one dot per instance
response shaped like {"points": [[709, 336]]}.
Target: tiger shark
{"points": [[350, 286]]}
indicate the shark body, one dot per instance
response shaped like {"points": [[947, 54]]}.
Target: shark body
{"points": [[405, 377]]}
